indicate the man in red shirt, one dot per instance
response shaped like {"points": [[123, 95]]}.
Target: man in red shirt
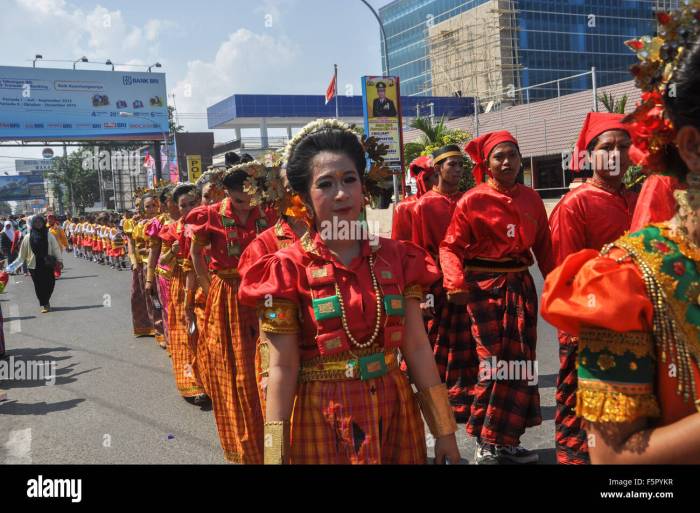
{"points": [[485, 256], [402, 224], [589, 217]]}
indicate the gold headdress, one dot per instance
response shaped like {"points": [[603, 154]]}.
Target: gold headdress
{"points": [[660, 57]]}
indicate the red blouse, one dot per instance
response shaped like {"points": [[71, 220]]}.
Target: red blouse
{"points": [[227, 244], [279, 236], [295, 275], [403, 219], [431, 217], [179, 232], [496, 225], [656, 203], [589, 217]]}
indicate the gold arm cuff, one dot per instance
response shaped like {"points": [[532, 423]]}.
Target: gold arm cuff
{"points": [[453, 294], [437, 411], [414, 291], [280, 318], [276, 442]]}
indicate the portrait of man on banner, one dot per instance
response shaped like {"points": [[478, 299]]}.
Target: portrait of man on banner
{"points": [[384, 102]]}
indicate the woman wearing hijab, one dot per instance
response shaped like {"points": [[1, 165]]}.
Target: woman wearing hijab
{"points": [[40, 252], [7, 239]]}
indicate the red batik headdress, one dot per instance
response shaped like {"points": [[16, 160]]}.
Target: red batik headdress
{"points": [[421, 169], [480, 148], [595, 124]]}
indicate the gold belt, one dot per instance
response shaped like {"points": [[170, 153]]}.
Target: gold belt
{"points": [[320, 369], [228, 273], [165, 273]]}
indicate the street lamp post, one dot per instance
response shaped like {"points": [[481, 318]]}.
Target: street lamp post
{"points": [[388, 68], [381, 27], [36, 58], [156, 65]]}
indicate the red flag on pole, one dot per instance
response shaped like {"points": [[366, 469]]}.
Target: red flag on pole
{"points": [[330, 92]]}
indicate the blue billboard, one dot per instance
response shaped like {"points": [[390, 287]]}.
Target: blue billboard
{"points": [[66, 104]]}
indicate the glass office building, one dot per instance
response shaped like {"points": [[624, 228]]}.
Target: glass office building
{"points": [[553, 39]]}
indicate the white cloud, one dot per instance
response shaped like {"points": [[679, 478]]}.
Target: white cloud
{"points": [[247, 62], [59, 30]]}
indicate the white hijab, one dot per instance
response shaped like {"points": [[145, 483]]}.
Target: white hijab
{"points": [[9, 230]]}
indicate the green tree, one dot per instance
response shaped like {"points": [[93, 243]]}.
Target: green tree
{"points": [[434, 137], [612, 104], [174, 127], [80, 180]]}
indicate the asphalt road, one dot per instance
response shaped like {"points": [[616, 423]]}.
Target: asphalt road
{"points": [[114, 398]]}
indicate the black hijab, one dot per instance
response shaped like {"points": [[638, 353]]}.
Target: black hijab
{"points": [[39, 239]]}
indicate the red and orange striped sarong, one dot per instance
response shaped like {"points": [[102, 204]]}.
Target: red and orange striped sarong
{"points": [[229, 343], [143, 326], [180, 341], [200, 304], [357, 422]]}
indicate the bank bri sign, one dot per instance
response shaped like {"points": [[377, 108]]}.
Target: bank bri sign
{"points": [[65, 104]]}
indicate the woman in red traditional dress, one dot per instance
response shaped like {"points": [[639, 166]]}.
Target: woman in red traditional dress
{"points": [[180, 336], [231, 332], [159, 272], [488, 248], [591, 216], [334, 310], [635, 306]]}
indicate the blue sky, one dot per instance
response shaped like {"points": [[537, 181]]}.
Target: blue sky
{"points": [[209, 49]]}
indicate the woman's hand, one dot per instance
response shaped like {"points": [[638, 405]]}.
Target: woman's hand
{"points": [[175, 248], [446, 450], [149, 287]]}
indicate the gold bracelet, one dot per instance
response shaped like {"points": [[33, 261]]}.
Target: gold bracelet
{"points": [[437, 411], [150, 274], [276, 442]]}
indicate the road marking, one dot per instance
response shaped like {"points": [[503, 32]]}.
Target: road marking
{"points": [[19, 447], [16, 323]]}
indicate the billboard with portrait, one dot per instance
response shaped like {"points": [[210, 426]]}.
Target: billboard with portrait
{"points": [[382, 115], [66, 104]]}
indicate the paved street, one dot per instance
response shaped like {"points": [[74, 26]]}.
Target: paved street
{"points": [[114, 399]]}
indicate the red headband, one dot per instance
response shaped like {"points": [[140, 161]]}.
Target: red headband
{"points": [[480, 148], [595, 124]]}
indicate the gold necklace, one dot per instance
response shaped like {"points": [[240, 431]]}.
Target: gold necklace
{"points": [[378, 323]]}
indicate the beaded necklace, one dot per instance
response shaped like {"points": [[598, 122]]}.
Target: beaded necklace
{"points": [[378, 322]]}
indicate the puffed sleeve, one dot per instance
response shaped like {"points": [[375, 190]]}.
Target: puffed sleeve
{"points": [[453, 247], [251, 254], [127, 226], [605, 304], [151, 231], [197, 221], [272, 285], [419, 269], [655, 203], [167, 233]]}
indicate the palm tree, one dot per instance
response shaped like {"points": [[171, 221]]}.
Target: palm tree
{"points": [[612, 105], [432, 133]]}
